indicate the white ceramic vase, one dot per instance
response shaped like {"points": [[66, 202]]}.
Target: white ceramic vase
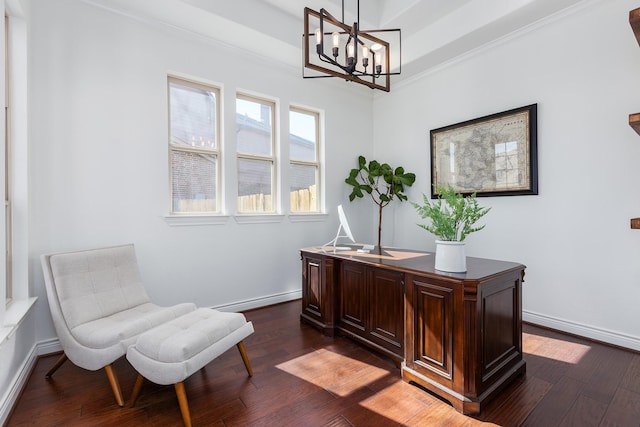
{"points": [[450, 256]]}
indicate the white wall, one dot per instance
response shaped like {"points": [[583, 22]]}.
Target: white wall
{"points": [[581, 68], [99, 168]]}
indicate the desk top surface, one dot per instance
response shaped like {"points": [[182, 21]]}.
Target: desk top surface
{"points": [[409, 260]]}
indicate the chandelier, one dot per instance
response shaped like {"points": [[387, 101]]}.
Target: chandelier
{"points": [[340, 50]]}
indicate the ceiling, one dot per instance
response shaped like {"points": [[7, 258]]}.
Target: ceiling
{"points": [[433, 31]]}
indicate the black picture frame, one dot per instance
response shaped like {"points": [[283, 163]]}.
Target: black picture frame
{"points": [[494, 155]]}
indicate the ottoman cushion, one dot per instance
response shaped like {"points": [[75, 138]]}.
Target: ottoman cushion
{"points": [[184, 337], [171, 352]]}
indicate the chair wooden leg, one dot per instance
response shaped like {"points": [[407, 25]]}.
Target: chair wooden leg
{"points": [[115, 385], [136, 389], [59, 363], [245, 358], [184, 405]]}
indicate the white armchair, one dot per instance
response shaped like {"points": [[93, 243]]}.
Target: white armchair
{"points": [[99, 307]]}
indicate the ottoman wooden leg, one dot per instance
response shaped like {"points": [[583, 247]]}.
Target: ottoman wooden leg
{"points": [[245, 358], [136, 389], [184, 405]]}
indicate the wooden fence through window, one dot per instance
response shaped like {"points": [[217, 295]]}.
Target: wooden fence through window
{"points": [[303, 200]]}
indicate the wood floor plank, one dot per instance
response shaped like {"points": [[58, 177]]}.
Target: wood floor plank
{"points": [[592, 359], [205, 413], [585, 412], [552, 357], [631, 379], [552, 409], [517, 402], [606, 379], [310, 406], [396, 404], [444, 416], [339, 421], [314, 410], [624, 409]]}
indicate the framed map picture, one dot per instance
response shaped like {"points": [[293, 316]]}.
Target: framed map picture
{"points": [[495, 155]]}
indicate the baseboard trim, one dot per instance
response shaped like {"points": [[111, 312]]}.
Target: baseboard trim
{"points": [[587, 331], [15, 388], [260, 302], [52, 345]]}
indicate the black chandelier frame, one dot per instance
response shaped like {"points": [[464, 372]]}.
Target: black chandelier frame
{"points": [[352, 69]]}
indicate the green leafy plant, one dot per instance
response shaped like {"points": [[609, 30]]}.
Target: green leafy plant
{"points": [[382, 182], [452, 215]]}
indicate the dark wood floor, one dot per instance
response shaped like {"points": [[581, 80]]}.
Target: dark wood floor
{"points": [[302, 378]]}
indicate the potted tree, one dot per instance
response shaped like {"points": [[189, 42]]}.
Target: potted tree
{"points": [[382, 182], [452, 218]]}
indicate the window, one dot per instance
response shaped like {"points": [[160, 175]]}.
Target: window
{"points": [[304, 169], [14, 270], [194, 147], [256, 159], [7, 170]]}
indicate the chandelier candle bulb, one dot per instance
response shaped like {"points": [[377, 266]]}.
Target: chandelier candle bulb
{"points": [[318, 36], [336, 39], [351, 50], [351, 53], [378, 59], [365, 55]]}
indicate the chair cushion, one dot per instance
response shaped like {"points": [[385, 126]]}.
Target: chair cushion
{"points": [[186, 336], [124, 327], [97, 283]]}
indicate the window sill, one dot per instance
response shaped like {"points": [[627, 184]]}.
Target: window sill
{"points": [[187, 220], [308, 217], [181, 220], [15, 314]]}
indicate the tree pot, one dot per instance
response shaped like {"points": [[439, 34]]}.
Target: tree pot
{"points": [[450, 256]]}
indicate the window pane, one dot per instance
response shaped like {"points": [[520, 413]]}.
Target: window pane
{"points": [[194, 179], [254, 122], [302, 136], [193, 116], [304, 188], [254, 185]]}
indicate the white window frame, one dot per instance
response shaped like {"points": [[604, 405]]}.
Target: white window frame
{"points": [[7, 166], [273, 159], [14, 64], [317, 163], [197, 217]]}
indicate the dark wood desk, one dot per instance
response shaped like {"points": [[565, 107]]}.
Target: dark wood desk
{"points": [[457, 335]]}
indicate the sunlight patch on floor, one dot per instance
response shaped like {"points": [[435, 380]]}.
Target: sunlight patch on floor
{"points": [[550, 348], [397, 401], [389, 401], [347, 374]]}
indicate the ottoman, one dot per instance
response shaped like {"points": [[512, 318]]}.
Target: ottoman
{"points": [[171, 352]]}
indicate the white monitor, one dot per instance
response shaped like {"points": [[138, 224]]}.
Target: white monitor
{"points": [[344, 226]]}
